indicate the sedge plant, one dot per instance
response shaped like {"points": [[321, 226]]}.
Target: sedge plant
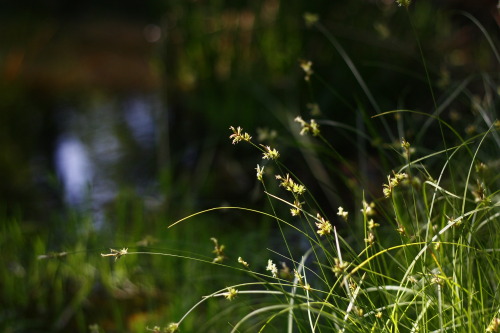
{"points": [[421, 254]]}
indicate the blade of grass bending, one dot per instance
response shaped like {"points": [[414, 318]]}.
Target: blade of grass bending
{"points": [[236, 208], [431, 116], [471, 168], [294, 292]]}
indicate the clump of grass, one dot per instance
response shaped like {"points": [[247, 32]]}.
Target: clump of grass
{"points": [[419, 255], [433, 267]]}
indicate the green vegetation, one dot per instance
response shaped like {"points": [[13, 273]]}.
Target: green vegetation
{"points": [[370, 219], [421, 258]]}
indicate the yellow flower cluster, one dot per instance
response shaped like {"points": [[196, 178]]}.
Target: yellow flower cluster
{"points": [[270, 154], [272, 268], [297, 207], [311, 127], [342, 213], [231, 293], [324, 226], [340, 266], [393, 182], [306, 66], [290, 185], [218, 250], [494, 325], [238, 136], [260, 172]]}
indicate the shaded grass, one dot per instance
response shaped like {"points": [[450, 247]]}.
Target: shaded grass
{"points": [[432, 266]]}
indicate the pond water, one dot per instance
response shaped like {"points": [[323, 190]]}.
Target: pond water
{"points": [[105, 147]]}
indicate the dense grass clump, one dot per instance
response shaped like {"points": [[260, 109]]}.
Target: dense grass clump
{"points": [[418, 252]]}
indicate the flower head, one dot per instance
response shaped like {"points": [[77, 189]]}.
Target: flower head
{"points": [[231, 293], [370, 239], [300, 280], [342, 213], [372, 224], [298, 189], [405, 144], [412, 279], [392, 182], [243, 262], [290, 185], [218, 250], [494, 325], [496, 124], [297, 275], [401, 229], [172, 328], [408, 150], [272, 268], [479, 193], [270, 154], [404, 3], [310, 19], [436, 279], [306, 66], [368, 208], [260, 172], [297, 207], [340, 266], [266, 134], [116, 253], [311, 127], [237, 136], [324, 226]]}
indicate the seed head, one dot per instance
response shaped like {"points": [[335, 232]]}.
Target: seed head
{"points": [[237, 135], [290, 185], [370, 239], [306, 66], [172, 328], [436, 279], [272, 268], [339, 267], [310, 19], [372, 224], [231, 293], [243, 262], [270, 154], [297, 208], [260, 172], [342, 213], [368, 208], [311, 127], [404, 3], [392, 182], [115, 253], [494, 325], [218, 250], [324, 226]]}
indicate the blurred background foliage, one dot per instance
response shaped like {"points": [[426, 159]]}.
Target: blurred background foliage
{"points": [[114, 123]]}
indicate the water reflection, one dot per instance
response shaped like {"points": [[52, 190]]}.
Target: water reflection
{"points": [[139, 118], [74, 168], [110, 143]]}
